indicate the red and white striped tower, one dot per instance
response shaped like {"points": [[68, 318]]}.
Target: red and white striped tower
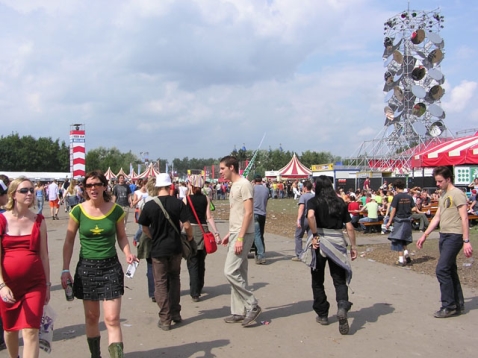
{"points": [[77, 150]]}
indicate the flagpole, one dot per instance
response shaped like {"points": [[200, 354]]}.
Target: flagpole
{"points": [[246, 171]]}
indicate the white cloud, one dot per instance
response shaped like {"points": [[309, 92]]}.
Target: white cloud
{"points": [[459, 97]]}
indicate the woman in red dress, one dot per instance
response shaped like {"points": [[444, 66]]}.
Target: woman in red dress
{"points": [[24, 269]]}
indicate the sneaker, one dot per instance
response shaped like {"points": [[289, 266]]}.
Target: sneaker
{"points": [[401, 264], [408, 260], [295, 258], [251, 316], [234, 318], [195, 298], [445, 312], [153, 299], [164, 326], [260, 261], [323, 320]]}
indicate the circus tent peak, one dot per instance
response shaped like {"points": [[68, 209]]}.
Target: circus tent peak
{"points": [[121, 172], [149, 172], [109, 174], [295, 169]]}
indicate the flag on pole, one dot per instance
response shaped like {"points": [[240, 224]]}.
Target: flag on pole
{"points": [[246, 171]]}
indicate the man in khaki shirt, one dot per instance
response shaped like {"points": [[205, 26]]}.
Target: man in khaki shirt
{"points": [[244, 307], [453, 219]]}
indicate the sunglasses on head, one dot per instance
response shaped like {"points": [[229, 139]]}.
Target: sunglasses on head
{"points": [[92, 185], [25, 190]]}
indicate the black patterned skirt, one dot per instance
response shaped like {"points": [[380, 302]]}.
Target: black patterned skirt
{"points": [[98, 280]]}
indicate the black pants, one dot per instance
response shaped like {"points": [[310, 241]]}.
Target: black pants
{"points": [[197, 271], [338, 274]]}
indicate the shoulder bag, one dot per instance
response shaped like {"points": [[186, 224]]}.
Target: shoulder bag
{"points": [[209, 239], [189, 247]]}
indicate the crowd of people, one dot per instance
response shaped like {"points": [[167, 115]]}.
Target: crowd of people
{"points": [[165, 211]]}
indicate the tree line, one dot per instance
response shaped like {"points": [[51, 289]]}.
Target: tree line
{"points": [[45, 154], [19, 154]]}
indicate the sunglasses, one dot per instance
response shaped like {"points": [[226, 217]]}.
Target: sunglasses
{"points": [[92, 185], [25, 190]]}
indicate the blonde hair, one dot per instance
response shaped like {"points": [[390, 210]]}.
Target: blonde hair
{"points": [[71, 187], [151, 187], [12, 189]]}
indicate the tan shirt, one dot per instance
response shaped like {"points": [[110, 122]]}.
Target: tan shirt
{"points": [[450, 219], [241, 191]]}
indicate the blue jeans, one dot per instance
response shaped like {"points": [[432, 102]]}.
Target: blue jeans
{"points": [[299, 234], [40, 202], [446, 270], [366, 220], [259, 224]]}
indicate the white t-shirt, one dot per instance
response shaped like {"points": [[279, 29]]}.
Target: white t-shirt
{"points": [[183, 191], [53, 191]]}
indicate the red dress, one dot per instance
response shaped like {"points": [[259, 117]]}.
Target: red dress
{"points": [[23, 273]]}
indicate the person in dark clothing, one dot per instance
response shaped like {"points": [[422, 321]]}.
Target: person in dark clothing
{"points": [[326, 214]]}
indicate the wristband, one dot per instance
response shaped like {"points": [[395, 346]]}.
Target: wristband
{"points": [[467, 241], [240, 239], [2, 285], [65, 271], [314, 235]]}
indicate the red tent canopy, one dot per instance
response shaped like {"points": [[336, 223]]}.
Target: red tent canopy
{"points": [[295, 170], [121, 172], [149, 172], [460, 151], [109, 174]]}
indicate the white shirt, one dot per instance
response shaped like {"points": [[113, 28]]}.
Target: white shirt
{"points": [[53, 191]]}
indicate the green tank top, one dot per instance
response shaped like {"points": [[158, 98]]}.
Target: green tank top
{"points": [[97, 234]]}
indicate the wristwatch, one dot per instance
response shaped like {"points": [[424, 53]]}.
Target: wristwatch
{"points": [[467, 241]]}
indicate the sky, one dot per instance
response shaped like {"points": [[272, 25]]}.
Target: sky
{"points": [[195, 78]]}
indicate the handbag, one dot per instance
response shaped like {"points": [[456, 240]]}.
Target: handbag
{"points": [[189, 248], [212, 207], [209, 239]]}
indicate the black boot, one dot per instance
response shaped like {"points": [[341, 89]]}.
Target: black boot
{"points": [[343, 308], [94, 344], [116, 350]]}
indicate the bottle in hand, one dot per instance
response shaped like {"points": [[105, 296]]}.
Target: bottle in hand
{"points": [[69, 291]]}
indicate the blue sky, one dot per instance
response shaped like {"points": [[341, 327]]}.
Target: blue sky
{"points": [[194, 78]]}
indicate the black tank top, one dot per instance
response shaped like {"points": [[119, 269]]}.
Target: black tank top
{"points": [[200, 204]]}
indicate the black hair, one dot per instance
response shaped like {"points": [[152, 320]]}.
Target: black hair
{"points": [[325, 194]]}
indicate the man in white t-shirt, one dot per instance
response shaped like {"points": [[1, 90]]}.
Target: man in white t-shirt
{"points": [[54, 199], [244, 307], [183, 191]]}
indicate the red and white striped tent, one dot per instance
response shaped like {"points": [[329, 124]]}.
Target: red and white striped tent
{"points": [[132, 175], [149, 172], [121, 172], [295, 170], [109, 174], [460, 151]]}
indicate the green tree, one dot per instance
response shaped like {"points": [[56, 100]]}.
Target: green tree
{"points": [[104, 158], [309, 158], [29, 154]]}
